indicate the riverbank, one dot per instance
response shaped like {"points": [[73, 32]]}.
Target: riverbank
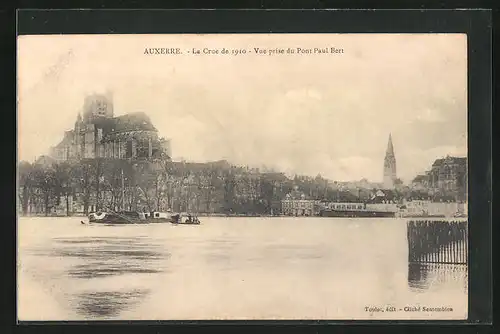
{"points": [[234, 215], [198, 214]]}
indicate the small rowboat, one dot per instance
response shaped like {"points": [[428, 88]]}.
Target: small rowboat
{"points": [[185, 219]]}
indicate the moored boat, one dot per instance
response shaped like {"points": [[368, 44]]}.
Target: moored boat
{"points": [[184, 218], [160, 217], [122, 218], [355, 210], [117, 218]]}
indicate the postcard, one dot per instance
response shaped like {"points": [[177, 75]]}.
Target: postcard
{"points": [[242, 177]]}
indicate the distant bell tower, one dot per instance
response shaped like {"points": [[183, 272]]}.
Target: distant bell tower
{"points": [[389, 166]]}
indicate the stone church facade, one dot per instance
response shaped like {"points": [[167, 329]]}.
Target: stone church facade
{"points": [[99, 134]]}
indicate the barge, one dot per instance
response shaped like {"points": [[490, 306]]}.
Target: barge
{"points": [[354, 210], [127, 217], [117, 218]]}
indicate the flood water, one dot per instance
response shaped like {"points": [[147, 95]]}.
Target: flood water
{"points": [[229, 268]]}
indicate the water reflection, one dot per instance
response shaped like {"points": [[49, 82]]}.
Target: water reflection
{"points": [[434, 275], [418, 276], [95, 270], [107, 304], [103, 257]]}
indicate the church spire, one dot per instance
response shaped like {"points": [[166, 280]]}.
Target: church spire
{"points": [[390, 148], [389, 165]]}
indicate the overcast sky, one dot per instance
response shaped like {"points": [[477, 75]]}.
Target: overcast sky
{"points": [[308, 114]]}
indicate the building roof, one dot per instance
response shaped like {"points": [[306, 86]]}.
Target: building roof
{"points": [[458, 160], [120, 126], [420, 178], [438, 162], [134, 121], [45, 161], [67, 139], [449, 160]]}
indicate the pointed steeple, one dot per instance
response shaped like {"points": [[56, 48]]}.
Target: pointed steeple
{"points": [[390, 149], [78, 122], [389, 165]]}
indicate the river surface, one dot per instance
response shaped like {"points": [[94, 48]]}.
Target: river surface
{"points": [[229, 268]]}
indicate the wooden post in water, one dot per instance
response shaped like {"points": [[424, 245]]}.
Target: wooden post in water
{"points": [[448, 244], [456, 255], [462, 251], [437, 242], [462, 246], [439, 247], [466, 245], [465, 239]]}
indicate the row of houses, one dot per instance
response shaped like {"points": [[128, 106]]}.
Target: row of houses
{"points": [[305, 207]]}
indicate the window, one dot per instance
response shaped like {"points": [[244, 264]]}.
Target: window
{"points": [[143, 148], [157, 215], [128, 149]]}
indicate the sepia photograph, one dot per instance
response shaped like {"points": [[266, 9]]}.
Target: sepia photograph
{"points": [[242, 177]]}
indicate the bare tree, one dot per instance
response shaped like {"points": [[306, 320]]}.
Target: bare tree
{"points": [[229, 191], [45, 182], [63, 182], [25, 182], [83, 174], [148, 182]]}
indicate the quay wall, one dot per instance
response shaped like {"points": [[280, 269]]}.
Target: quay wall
{"points": [[391, 207], [436, 208]]}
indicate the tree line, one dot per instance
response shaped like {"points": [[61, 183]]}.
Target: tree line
{"points": [[116, 184], [141, 185]]}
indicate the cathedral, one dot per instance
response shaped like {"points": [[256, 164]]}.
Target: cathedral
{"points": [[98, 133], [389, 166]]}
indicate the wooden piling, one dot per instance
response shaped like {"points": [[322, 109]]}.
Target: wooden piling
{"points": [[437, 241]]}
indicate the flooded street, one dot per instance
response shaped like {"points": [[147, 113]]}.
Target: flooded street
{"points": [[229, 268]]}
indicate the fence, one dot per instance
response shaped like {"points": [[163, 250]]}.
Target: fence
{"points": [[437, 241]]}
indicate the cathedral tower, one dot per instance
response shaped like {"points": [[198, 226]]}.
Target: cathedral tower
{"points": [[389, 166], [97, 106]]}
